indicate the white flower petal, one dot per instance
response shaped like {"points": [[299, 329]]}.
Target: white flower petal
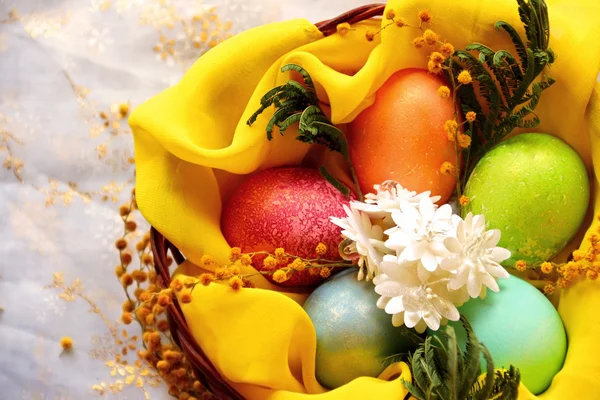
{"points": [[493, 238], [460, 279], [429, 262], [382, 302], [426, 208], [423, 274], [460, 231], [432, 320], [444, 212], [437, 247], [411, 318], [452, 244], [404, 273], [394, 306], [415, 251], [497, 270], [398, 319], [451, 263], [483, 293], [398, 241], [490, 282], [474, 284], [478, 223], [390, 288], [446, 308], [390, 258], [500, 254]]}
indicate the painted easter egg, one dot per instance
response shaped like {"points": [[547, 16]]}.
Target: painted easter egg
{"points": [[520, 327], [401, 137], [354, 337], [288, 208], [535, 189]]}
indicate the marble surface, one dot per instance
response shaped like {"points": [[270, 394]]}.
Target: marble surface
{"points": [[66, 69]]}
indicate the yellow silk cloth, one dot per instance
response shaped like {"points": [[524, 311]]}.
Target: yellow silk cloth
{"points": [[193, 147]]}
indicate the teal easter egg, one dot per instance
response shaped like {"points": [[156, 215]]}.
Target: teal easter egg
{"points": [[535, 189], [354, 337], [520, 327]]}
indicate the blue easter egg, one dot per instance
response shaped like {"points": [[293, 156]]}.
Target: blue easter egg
{"points": [[520, 327], [354, 337]]}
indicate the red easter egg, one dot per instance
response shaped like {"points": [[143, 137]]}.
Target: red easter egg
{"points": [[289, 208], [401, 137]]}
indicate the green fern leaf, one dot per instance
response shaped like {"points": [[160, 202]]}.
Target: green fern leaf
{"points": [[525, 15], [419, 375], [305, 75], [278, 116], [289, 121], [472, 360], [517, 42], [527, 80], [334, 182], [454, 364], [503, 59], [488, 385], [272, 95], [414, 390], [297, 89]]}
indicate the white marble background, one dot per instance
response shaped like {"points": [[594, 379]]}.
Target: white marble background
{"points": [[64, 175]]}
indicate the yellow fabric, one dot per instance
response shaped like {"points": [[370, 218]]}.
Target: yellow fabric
{"points": [[193, 147]]}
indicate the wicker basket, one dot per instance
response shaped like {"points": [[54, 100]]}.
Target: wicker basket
{"points": [[205, 371]]}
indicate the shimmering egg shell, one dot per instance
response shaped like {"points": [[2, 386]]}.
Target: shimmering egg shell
{"points": [[354, 337], [401, 136], [288, 208], [534, 188]]}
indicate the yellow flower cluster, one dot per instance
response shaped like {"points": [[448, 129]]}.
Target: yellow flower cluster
{"points": [[279, 265], [447, 168], [147, 303], [441, 59], [280, 268], [585, 264], [66, 343], [424, 18], [464, 200], [343, 28], [521, 265]]}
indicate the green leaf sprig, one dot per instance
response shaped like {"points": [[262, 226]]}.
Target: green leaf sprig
{"points": [[297, 103], [508, 85], [442, 371]]}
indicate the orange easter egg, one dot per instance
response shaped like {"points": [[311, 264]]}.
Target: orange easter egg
{"points": [[401, 137]]}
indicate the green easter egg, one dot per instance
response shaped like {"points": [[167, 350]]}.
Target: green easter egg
{"points": [[535, 189], [520, 327], [354, 337]]}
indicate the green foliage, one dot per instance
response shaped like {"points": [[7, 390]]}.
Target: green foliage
{"points": [[509, 85], [442, 371], [298, 103]]}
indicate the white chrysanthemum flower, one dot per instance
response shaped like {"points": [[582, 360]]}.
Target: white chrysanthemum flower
{"points": [[419, 233], [424, 261], [367, 240], [411, 302], [475, 260], [389, 198]]}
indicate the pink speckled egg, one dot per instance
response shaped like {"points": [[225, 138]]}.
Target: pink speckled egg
{"points": [[285, 207]]}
